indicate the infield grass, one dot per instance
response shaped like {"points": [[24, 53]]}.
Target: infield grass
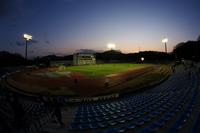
{"points": [[104, 69]]}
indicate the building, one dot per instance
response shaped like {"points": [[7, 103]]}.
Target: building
{"points": [[84, 58]]}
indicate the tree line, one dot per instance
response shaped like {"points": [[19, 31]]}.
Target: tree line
{"points": [[184, 50]]}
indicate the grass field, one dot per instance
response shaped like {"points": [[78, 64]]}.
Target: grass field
{"points": [[104, 69], [60, 81]]}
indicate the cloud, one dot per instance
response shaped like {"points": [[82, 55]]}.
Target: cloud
{"points": [[34, 41], [85, 51], [20, 43], [47, 42]]}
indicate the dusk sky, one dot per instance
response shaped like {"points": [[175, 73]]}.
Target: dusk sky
{"points": [[64, 26]]}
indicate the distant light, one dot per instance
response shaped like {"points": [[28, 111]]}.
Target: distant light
{"points": [[111, 46], [27, 37], [165, 40], [142, 58]]}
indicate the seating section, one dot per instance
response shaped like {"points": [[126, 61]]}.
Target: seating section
{"points": [[170, 107], [35, 114], [165, 108], [34, 118]]}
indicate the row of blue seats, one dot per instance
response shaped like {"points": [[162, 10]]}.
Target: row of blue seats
{"points": [[35, 115], [94, 116], [190, 103], [164, 117], [146, 109], [196, 127], [153, 127], [126, 112]]}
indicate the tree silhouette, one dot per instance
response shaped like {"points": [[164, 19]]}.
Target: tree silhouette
{"points": [[198, 39], [10, 59], [187, 50]]}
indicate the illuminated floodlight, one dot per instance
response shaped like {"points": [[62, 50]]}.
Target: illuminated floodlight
{"points": [[27, 37], [142, 58], [165, 40], [111, 46]]}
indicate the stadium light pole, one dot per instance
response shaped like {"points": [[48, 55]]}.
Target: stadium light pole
{"points": [[27, 38], [111, 46], [165, 40]]}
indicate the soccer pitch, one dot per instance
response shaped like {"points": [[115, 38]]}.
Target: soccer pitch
{"points": [[104, 69]]}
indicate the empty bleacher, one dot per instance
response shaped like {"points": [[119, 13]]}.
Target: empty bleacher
{"points": [[171, 107], [165, 108]]}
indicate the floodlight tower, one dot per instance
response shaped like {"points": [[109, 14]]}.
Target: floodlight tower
{"points": [[27, 38], [111, 46], [165, 40]]}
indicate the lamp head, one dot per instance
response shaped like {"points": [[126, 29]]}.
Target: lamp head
{"points": [[27, 37], [165, 40], [111, 46]]}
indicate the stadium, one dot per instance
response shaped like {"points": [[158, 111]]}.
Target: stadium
{"points": [[91, 97], [101, 93], [99, 66]]}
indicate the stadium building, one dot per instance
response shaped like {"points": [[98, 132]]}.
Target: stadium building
{"points": [[84, 59]]}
